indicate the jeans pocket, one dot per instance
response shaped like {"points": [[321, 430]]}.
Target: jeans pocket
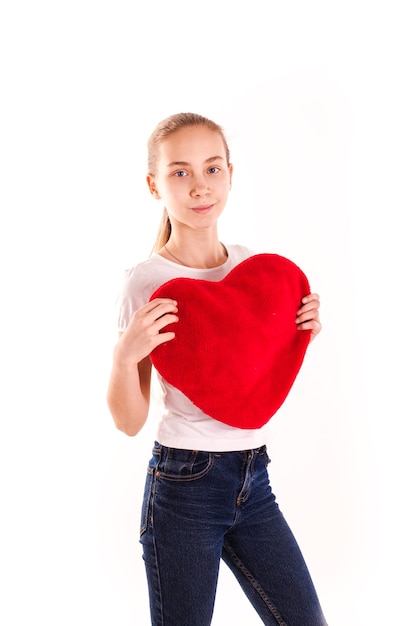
{"points": [[183, 465]]}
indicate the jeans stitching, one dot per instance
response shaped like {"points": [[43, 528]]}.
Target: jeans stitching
{"points": [[183, 478], [145, 510], [255, 585]]}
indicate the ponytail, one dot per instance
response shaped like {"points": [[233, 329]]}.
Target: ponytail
{"points": [[164, 232]]}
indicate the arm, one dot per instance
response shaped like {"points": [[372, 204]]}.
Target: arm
{"points": [[308, 317], [128, 393]]}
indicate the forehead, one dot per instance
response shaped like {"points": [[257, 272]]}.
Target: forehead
{"points": [[193, 144]]}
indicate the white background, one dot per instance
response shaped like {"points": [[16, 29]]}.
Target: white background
{"points": [[318, 101]]}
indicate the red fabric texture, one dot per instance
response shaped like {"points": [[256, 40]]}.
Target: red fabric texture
{"points": [[237, 350]]}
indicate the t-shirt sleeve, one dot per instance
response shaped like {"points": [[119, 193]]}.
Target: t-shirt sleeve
{"points": [[137, 287]]}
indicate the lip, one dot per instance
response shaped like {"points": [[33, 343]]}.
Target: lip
{"points": [[203, 208]]}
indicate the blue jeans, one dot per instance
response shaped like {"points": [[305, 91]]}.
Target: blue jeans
{"points": [[200, 507]]}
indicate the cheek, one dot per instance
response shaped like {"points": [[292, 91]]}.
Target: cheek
{"points": [[173, 194], [226, 186]]}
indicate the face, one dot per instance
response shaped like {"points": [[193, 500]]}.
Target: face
{"points": [[193, 178]]}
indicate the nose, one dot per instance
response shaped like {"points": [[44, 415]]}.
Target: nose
{"points": [[200, 187]]}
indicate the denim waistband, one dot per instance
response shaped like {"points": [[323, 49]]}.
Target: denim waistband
{"points": [[260, 450]]}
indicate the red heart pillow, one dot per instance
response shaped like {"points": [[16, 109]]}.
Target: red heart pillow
{"points": [[236, 351]]}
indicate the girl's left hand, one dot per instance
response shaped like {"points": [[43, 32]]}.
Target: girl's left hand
{"points": [[308, 315]]}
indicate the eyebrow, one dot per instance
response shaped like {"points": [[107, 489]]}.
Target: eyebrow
{"points": [[184, 163]]}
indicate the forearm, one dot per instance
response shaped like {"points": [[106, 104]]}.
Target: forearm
{"points": [[128, 395]]}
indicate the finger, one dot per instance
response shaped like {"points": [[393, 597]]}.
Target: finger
{"points": [[163, 321], [308, 324], [306, 314], [165, 303], [309, 297], [310, 307], [162, 338], [150, 312], [313, 325]]}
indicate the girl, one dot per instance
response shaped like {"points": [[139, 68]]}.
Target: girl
{"points": [[207, 493]]}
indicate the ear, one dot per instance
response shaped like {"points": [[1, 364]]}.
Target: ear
{"points": [[230, 175], [150, 179]]}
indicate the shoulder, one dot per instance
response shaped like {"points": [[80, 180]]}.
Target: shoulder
{"points": [[238, 253], [144, 278], [137, 285], [137, 277], [143, 270]]}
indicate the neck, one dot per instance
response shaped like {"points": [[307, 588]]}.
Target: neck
{"points": [[198, 254]]}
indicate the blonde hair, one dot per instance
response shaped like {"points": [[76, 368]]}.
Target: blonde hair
{"points": [[165, 129]]}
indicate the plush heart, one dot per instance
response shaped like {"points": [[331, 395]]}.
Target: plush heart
{"points": [[237, 350]]}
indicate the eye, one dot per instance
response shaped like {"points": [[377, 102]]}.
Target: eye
{"points": [[180, 173], [214, 170]]}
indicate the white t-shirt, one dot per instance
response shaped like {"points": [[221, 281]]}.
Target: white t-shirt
{"points": [[182, 424]]}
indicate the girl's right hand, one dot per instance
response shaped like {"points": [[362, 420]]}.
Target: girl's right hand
{"points": [[143, 334]]}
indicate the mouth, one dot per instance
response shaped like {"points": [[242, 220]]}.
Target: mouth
{"points": [[204, 208]]}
